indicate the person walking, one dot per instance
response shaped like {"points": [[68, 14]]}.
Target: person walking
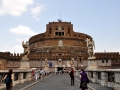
{"points": [[41, 74], [72, 76], [33, 74], [84, 80], [36, 75], [9, 78]]}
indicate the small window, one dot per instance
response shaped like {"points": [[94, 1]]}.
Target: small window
{"points": [[56, 28], [62, 33], [80, 60], [56, 33], [59, 33], [68, 31], [68, 28], [102, 61], [50, 32], [59, 54], [106, 61], [50, 28]]}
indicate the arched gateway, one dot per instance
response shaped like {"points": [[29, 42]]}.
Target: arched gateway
{"points": [[58, 48]]}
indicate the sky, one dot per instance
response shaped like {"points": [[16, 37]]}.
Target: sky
{"points": [[21, 19]]}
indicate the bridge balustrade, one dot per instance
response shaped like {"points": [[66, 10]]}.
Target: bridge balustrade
{"points": [[106, 77], [20, 76]]}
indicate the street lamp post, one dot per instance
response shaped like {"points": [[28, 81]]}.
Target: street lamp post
{"points": [[77, 60], [41, 63], [77, 63], [40, 53]]}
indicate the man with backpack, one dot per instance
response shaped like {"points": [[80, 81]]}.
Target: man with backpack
{"points": [[72, 76]]}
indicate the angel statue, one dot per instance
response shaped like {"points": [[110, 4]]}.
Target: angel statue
{"points": [[91, 47], [26, 48]]}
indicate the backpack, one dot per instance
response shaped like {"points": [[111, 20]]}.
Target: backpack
{"points": [[88, 81], [70, 74], [7, 80]]}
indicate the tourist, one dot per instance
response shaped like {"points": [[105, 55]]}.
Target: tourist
{"points": [[72, 76], [42, 74], [33, 74], [36, 75], [56, 71], [9, 78], [84, 80]]}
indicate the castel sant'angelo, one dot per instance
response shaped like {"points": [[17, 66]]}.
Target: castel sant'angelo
{"points": [[58, 48]]}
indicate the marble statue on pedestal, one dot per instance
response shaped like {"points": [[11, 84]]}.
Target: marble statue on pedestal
{"points": [[72, 62], [60, 62], [24, 63], [90, 47], [92, 62], [26, 50]]}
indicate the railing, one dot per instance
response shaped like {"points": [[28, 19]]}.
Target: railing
{"points": [[105, 77], [20, 76]]}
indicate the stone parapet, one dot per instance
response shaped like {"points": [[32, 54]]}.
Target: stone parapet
{"points": [[20, 76]]}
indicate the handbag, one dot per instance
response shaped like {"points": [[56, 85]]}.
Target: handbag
{"points": [[88, 80]]}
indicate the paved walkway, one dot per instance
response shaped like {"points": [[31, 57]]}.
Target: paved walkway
{"points": [[56, 82], [22, 85]]}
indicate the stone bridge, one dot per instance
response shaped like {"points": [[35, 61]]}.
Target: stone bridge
{"points": [[100, 80]]}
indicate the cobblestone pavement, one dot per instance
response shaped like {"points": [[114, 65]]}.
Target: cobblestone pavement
{"points": [[56, 82]]}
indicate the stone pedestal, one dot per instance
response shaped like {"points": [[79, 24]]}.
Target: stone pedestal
{"points": [[46, 67], [20, 77], [24, 63], [92, 64], [28, 76]]}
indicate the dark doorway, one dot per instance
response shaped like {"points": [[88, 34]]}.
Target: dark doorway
{"points": [[59, 68]]}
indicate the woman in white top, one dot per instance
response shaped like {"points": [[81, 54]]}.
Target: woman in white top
{"points": [[36, 74]]}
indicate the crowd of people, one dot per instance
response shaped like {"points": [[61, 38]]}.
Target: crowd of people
{"points": [[39, 74]]}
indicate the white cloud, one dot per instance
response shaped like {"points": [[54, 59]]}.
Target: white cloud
{"points": [[18, 49], [36, 10], [20, 40], [14, 7], [22, 30], [12, 49]]}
